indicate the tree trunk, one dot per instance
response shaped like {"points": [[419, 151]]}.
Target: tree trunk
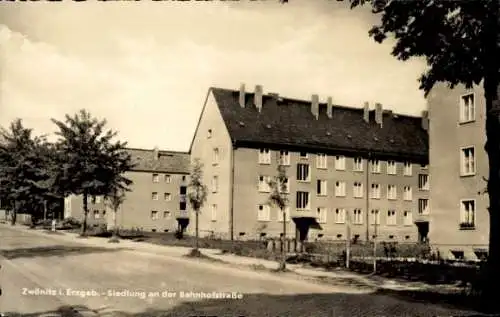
{"points": [[85, 213], [283, 241], [115, 229], [196, 229], [13, 216], [44, 210]]}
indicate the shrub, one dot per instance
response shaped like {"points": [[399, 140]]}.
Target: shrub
{"points": [[71, 223]]}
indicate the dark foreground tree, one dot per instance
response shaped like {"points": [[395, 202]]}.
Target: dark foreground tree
{"points": [[197, 195], [92, 163], [115, 199]]}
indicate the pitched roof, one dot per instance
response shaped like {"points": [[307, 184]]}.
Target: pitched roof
{"points": [[289, 123], [167, 162]]}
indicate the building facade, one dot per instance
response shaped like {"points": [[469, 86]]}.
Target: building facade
{"points": [[459, 167], [349, 169], [156, 200]]}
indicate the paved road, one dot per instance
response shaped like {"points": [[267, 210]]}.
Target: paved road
{"points": [[43, 273]]}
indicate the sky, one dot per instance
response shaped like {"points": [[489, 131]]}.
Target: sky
{"points": [[146, 66]]}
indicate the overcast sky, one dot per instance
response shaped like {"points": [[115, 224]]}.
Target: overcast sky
{"points": [[146, 66]]}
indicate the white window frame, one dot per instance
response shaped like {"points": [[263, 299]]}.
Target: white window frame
{"points": [[97, 199], [97, 214], [209, 133], [213, 210], [167, 178], [287, 214], [340, 162], [264, 183], [264, 156], [357, 191], [392, 167], [287, 182], [407, 193], [299, 204], [357, 164], [322, 214], [340, 189], [154, 196], [155, 215], [421, 209], [215, 184], [464, 165], [340, 215], [392, 192], [407, 218], [467, 112], [263, 212], [376, 191], [300, 172], [323, 187], [421, 184], [465, 215], [167, 214], [284, 158], [167, 196], [392, 217], [357, 216], [156, 178], [375, 217], [408, 169], [216, 156], [321, 161], [375, 166], [303, 157]]}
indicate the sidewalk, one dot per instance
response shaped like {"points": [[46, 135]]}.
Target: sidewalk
{"points": [[331, 277]]}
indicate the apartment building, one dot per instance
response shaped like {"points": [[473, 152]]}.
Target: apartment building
{"points": [[459, 166], [354, 168], [157, 200]]}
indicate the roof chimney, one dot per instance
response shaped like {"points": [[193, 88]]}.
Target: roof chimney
{"points": [[258, 97], [425, 120], [315, 106], [156, 153], [379, 115], [366, 112], [242, 96], [329, 107]]}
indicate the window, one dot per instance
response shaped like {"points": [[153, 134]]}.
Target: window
{"points": [[391, 218], [424, 166], [183, 178], [467, 213], [284, 158], [358, 164], [303, 155], [467, 108], [154, 196], [375, 166], [340, 163], [423, 182], [156, 178], [407, 218], [467, 161], [321, 214], [340, 215], [303, 172], [182, 205], [264, 184], [375, 193], [167, 196], [215, 184], [287, 185], [214, 212], [358, 217], [303, 200], [263, 213], [183, 190], [392, 192], [287, 214], [375, 217], [155, 215], [209, 133], [96, 214], [264, 156], [340, 189], [168, 179], [216, 157], [97, 199], [423, 206], [358, 190], [407, 169], [321, 161], [321, 187], [407, 193], [166, 214], [391, 167]]}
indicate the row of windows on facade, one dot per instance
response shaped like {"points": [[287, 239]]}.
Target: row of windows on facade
{"points": [[340, 216], [166, 177]]}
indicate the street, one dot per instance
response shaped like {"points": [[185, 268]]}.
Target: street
{"points": [[43, 273]]}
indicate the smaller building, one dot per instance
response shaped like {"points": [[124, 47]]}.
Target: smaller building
{"points": [[156, 200]]}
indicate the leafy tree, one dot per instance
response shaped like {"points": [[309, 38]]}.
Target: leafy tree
{"points": [[197, 194], [93, 164], [279, 198], [115, 199]]}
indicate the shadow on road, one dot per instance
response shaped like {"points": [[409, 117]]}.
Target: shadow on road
{"points": [[335, 304], [55, 250]]}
